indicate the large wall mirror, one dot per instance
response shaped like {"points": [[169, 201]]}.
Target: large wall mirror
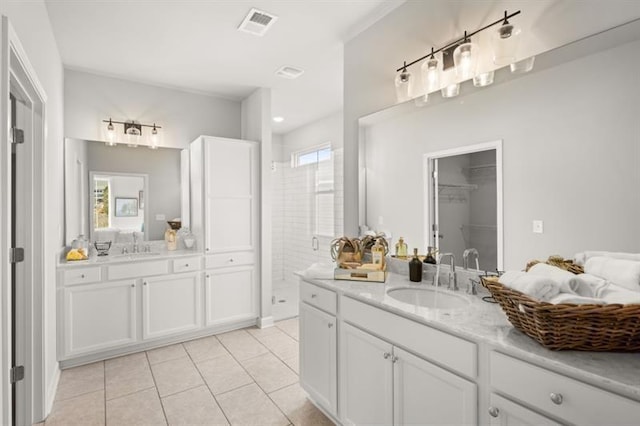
{"points": [[116, 193], [570, 159]]}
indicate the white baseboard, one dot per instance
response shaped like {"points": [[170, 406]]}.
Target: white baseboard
{"points": [[264, 322]]}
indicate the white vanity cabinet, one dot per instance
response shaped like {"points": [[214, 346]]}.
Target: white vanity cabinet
{"points": [[540, 392], [99, 316], [318, 347], [507, 413], [171, 304], [225, 216]]}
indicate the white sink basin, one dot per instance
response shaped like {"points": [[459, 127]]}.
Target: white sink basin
{"points": [[429, 298]]}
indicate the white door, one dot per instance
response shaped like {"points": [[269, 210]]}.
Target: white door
{"points": [[318, 356], [99, 316], [230, 191], [428, 395], [171, 304], [366, 378], [231, 295], [506, 413]]}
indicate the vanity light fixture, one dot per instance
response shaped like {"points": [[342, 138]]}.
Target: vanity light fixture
{"points": [[133, 133], [466, 60]]}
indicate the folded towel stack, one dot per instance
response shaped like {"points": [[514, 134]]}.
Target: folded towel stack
{"points": [[622, 272], [581, 258], [537, 286]]}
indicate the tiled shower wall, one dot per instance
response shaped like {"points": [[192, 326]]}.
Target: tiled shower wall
{"points": [[294, 218]]}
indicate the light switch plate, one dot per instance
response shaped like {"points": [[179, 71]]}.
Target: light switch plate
{"points": [[538, 227], [160, 217]]}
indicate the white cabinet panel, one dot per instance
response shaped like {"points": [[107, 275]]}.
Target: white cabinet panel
{"points": [[225, 260], [428, 395], [81, 275], [230, 225], [506, 413], [319, 297], [230, 167], [138, 269], [171, 304], [99, 316], [186, 264], [366, 378], [318, 356], [231, 295]]}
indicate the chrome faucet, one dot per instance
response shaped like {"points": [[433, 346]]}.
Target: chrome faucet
{"points": [[465, 258], [453, 281]]}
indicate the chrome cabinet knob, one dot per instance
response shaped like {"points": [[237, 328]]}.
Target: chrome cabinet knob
{"points": [[313, 296], [186, 265], [556, 398], [494, 412], [231, 260], [330, 325], [394, 359], [82, 276], [133, 285], [386, 355]]}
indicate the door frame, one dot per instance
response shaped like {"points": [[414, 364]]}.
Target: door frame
{"points": [[17, 71], [428, 190]]}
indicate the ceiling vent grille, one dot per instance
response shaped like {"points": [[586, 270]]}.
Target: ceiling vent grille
{"points": [[289, 72], [257, 22]]}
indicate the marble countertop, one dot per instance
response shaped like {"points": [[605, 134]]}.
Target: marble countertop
{"points": [[485, 322], [116, 257]]}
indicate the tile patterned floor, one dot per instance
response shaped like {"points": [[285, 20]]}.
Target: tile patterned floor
{"points": [[244, 377]]}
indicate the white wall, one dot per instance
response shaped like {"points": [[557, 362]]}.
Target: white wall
{"points": [[319, 132], [571, 154], [371, 57], [91, 98], [31, 23]]}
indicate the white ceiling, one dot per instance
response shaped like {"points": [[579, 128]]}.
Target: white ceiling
{"points": [[194, 45]]}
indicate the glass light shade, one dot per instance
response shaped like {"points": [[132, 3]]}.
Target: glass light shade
{"points": [[133, 137], [483, 79], [505, 41], [404, 85], [523, 66], [465, 58], [111, 134], [451, 90], [430, 70], [154, 139]]}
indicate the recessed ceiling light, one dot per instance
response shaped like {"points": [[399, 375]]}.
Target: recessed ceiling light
{"points": [[278, 119], [289, 72]]}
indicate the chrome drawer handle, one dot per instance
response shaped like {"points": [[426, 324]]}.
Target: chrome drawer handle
{"points": [[231, 260], [494, 412], [313, 296], [82, 276], [386, 355], [556, 398], [394, 359], [330, 325], [186, 265], [133, 285]]}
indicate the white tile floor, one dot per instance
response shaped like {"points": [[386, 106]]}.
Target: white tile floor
{"points": [[244, 377]]}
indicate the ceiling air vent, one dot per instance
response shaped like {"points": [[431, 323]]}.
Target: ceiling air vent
{"points": [[257, 22], [289, 72]]}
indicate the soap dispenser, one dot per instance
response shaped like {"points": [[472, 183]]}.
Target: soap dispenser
{"points": [[415, 268], [377, 255], [401, 249]]}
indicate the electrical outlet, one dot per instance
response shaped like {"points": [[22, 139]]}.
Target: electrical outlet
{"points": [[538, 226], [161, 217]]}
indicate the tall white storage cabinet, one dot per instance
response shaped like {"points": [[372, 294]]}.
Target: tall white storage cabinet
{"points": [[225, 217]]}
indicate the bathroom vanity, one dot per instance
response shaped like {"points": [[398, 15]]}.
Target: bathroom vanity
{"points": [[394, 353]]}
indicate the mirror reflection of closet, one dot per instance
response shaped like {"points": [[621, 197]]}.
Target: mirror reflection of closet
{"points": [[465, 204]]}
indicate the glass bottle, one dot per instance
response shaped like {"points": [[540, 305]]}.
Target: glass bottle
{"points": [[430, 257], [401, 249], [415, 268], [377, 255]]}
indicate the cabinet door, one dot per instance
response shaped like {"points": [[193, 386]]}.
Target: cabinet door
{"points": [[99, 316], [230, 192], [506, 413], [318, 356], [427, 394], [171, 304], [366, 374], [231, 295]]}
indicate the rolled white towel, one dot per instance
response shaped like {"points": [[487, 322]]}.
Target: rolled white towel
{"points": [[581, 258], [537, 286], [625, 273], [574, 299], [588, 285], [320, 271], [562, 277], [616, 294]]}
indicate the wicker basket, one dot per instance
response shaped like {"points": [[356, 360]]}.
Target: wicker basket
{"points": [[612, 327]]}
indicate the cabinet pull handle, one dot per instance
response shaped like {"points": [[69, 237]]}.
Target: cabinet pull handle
{"points": [[330, 325], [133, 285], [556, 398], [386, 355], [208, 275], [494, 412], [82, 276], [313, 295], [144, 283], [231, 259], [186, 265], [394, 359]]}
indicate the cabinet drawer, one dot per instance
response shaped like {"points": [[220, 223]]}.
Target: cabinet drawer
{"points": [[575, 402], [81, 275], [319, 297], [138, 269], [450, 351], [225, 260], [186, 264]]}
